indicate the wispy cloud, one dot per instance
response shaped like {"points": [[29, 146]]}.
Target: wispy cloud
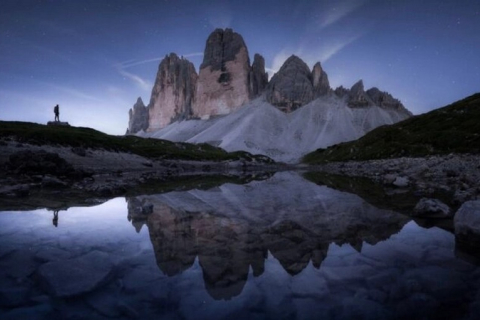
{"points": [[336, 11], [312, 55], [142, 83], [330, 50], [193, 54], [134, 62]]}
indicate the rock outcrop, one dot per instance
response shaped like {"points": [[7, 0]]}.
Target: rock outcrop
{"points": [[357, 96], [173, 92], [223, 80], [321, 85], [258, 77], [385, 100], [292, 86], [137, 117], [341, 91]]}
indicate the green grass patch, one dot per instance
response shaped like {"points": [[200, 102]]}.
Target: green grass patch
{"points": [[33, 133], [451, 129]]}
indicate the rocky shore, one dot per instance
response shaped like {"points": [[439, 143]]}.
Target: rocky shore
{"points": [[48, 171], [455, 175]]}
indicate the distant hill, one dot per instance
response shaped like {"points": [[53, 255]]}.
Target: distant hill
{"points": [[452, 129]]}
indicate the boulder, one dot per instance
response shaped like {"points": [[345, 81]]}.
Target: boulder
{"points": [[292, 86], [173, 92], [77, 276], [401, 182], [137, 117], [467, 224], [431, 208]]}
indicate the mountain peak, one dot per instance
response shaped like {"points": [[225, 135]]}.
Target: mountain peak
{"points": [[222, 45], [139, 103], [291, 87], [357, 87]]}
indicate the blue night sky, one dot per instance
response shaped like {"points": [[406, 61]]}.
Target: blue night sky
{"points": [[95, 58]]}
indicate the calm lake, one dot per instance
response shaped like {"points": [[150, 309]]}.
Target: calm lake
{"points": [[281, 248]]}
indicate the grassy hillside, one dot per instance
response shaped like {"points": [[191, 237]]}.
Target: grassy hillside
{"points": [[454, 128], [25, 132]]}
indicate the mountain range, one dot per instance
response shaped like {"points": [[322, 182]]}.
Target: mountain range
{"points": [[231, 104]]}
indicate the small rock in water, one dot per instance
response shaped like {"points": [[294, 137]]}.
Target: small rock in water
{"points": [[389, 178], [401, 182], [431, 208]]}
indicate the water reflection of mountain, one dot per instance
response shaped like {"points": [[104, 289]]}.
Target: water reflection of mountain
{"points": [[232, 228]]}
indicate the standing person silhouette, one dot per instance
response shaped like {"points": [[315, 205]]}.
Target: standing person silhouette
{"points": [[56, 110]]}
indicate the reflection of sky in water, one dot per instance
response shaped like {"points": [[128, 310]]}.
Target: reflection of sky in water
{"points": [[412, 273]]}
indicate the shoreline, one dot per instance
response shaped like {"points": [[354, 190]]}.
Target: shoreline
{"points": [[99, 173], [455, 175]]}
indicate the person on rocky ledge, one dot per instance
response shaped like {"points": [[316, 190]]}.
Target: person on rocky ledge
{"points": [[56, 110]]}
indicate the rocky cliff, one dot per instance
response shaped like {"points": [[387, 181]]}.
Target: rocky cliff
{"points": [[321, 85], [358, 98], [173, 92], [226, 82], [223, 80]]}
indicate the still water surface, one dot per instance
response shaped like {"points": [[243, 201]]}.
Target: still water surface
{"points": [[283, 248]]}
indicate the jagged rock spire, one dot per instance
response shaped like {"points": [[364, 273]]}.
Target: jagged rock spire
{"points": [[138, 117], [223, 80], [321, 85], [258, 77], [173, 92]]}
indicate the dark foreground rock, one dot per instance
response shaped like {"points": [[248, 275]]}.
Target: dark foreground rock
{"points": [[76, 276], [431, 208], [58, 123], [467, 224], [39, 162]]}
